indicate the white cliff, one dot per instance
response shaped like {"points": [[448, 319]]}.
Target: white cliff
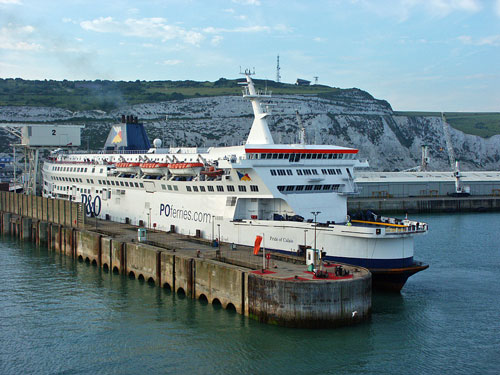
{"points": [[350, 118]]}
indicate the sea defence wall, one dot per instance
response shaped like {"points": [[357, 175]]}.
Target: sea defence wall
{"points": [[287, 302], [425, 204]]}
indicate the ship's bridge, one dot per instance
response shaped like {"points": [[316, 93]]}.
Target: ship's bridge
{"points": [[296, 152], [304, 178]]}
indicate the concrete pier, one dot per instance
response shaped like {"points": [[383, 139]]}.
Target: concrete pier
{"points": [[285, 294], [382, 205]]}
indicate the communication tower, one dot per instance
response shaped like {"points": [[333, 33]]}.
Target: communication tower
{"points": [[315, 80]]}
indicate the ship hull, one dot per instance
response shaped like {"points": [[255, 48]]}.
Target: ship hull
{"points": [[394, 279], [209, 216]]}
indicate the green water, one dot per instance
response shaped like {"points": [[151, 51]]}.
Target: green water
{"points": [[58, 316]]}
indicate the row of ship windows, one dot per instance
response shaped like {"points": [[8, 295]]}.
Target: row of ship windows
{"points": [[100, 182], [70, 169], [220, 188], [69, 179], [300, 188], [65, 188], [304, 172], [294, 157], [75, 169], [120, 183]]}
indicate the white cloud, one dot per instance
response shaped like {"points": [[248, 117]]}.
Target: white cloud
{"points": [[440, 8], [170, 62], [251, 29], [465, 39], [491, 40], [17, 38], [143, 28], [496, 6], [247, 2], [444, 7], [247, 29], [283, 28], [216, 40], [17, 2], [404, 9], [319, 39]]}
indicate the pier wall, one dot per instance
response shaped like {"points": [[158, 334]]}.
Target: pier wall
{"points": [[276, 301], [311, 304], [224, 284], [425, 204], [69, 214], [142, 262]]}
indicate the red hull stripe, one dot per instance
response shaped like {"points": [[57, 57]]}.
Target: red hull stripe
{"points": [[297, 151]]}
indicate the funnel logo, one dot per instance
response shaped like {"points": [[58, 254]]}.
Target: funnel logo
{"points": [[118, 136], [243, 177]]}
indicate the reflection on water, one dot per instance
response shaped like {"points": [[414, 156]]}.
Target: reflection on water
{"points": [[61, 316]]}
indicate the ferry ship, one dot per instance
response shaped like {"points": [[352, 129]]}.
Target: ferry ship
{"points": [[292, 195]]}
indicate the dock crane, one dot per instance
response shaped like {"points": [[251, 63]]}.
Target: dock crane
{"points": [[460, 191]]}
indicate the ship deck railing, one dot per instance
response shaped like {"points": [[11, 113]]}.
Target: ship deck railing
{"points": [[406, 226], [170, 150]]}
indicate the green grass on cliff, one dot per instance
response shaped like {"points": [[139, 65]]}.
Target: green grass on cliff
{"points": [[109, 95], [483, 124]]}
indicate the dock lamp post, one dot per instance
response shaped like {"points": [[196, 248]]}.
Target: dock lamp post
{"points": [[315, 213], [218, 242]]}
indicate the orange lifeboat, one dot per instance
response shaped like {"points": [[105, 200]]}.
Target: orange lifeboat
{"points": [[211, 172], [154, 168], [185, 169], [127, 167]]}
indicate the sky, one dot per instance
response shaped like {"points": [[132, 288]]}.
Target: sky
{"points": [[419, 55]]}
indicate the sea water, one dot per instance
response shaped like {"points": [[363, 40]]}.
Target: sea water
{"points": [[60, 316]]}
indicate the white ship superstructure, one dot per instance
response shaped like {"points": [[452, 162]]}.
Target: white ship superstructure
{"points": [[294, 195]]}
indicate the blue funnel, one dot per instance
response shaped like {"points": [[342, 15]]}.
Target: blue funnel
{"points": [[128, 135]]}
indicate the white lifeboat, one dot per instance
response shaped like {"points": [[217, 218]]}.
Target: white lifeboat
{"points": [[154, 168], [127, 167], [185, 169]]}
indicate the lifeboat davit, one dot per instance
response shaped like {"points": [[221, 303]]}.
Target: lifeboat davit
{"points": [[211, 172], [127, 167], [185, 169], [154, 168]]}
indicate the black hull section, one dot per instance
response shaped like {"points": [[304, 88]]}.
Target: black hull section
{"points": [[393, 279]]}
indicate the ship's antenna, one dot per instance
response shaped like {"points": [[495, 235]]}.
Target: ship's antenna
{"points": [[278, 75], [248, 72]]}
